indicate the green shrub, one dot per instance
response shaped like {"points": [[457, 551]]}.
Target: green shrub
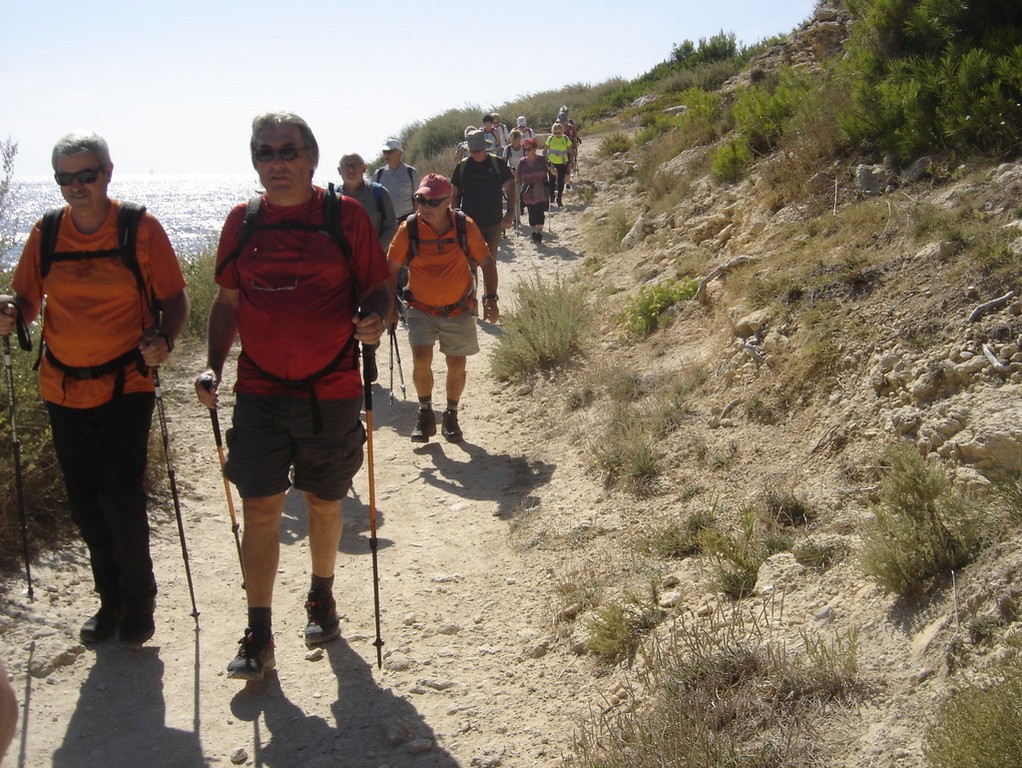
{"points": [[736, 557], [731, 160], [979, 726], [544, 330], [922, 529], [935, 76], [617, 628], [615, 143], [645, 313], [201, 289], [679, 540]]}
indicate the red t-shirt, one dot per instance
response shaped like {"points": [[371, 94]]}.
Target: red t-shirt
{"points": [[296, 299]]}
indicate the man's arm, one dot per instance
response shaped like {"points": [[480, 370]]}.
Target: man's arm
{"points": [[156, 350], [222, 330]]}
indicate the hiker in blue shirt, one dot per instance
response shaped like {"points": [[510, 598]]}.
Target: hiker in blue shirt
{"points": [[374, 197]]}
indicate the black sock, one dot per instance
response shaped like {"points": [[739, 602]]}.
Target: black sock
{"points": [[425, 403], [260, 621], [322, 583], [452, 405]]}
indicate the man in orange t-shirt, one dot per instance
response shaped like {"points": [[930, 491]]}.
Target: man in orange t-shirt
{"points": [[441, 299], [101, 336]]}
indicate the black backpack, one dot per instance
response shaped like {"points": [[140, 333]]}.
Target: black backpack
{"points": [[128, 218], [461, 238], [331, 222], [331, 227]]}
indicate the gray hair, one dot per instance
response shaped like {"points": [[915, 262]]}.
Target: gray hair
{"points": [[77, 142], [284, 118]]}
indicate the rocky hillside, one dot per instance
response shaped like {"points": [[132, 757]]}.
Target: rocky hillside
{"points": [[873, 310]]}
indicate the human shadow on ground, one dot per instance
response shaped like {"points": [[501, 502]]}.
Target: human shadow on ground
{"points": [[119, 721], [507, 480], [371, 726]]}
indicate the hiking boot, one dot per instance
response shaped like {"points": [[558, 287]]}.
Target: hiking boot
{"points": [[425, 427], [137, 629], [323, 623], [254, 659], [100, 627], [450, 428], [535, 237]]}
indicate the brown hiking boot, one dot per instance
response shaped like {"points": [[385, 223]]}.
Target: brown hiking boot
{"points": [[425, 426]]}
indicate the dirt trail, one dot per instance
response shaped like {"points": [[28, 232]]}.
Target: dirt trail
{"points": [[471, 674]]}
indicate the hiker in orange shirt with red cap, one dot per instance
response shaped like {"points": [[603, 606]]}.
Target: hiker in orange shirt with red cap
{"points": [[440, 247]]}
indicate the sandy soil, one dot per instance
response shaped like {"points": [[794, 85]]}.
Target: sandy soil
{"points": [[471, 674]]}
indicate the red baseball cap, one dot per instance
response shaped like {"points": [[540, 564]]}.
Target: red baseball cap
{"points": [[434, 186]]}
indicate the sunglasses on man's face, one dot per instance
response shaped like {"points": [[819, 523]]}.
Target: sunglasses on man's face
{"points": [[287, 153], [87, 176], [423, 200]]}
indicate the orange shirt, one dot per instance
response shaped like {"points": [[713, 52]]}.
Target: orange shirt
{"points": [[439, 275], [94, 311]]}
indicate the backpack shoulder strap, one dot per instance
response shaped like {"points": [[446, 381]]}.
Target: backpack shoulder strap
{"points": [[412, 225], [48, 240], [332, 219], [378, 194], [128, 218], [411, 177], [247, 228], [461, 228], [378, 175]]}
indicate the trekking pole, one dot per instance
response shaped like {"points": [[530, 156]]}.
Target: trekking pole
{"points": [[218, 439], [173, 487], [16, 447], [395, 350], [368, 352]]}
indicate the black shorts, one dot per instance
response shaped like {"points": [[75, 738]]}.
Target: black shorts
{"points": [[270, 435]]}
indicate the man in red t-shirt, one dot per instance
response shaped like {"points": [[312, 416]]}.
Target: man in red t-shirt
{"points": [[299, 305]]}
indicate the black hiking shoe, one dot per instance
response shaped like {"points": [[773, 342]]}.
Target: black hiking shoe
{"points": [[255, 657], [135, 630], [323, 623], [450, 428], [100, 627], [425, 427]]}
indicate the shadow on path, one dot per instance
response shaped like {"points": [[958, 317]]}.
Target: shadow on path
{"points": [[119, 721], [370, 726]]}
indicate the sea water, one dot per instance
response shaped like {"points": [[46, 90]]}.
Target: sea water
{"points": [[191, 207]]}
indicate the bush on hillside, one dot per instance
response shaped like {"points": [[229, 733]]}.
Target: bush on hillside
{"points": [[543, 331], [979, 726], [923, 528], [935, 75]]}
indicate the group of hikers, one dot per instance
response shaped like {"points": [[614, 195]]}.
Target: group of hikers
{"points": [[540, 177], [305, 277]]}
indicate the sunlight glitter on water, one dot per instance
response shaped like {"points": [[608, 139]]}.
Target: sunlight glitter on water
{"points": [[191, 207]]}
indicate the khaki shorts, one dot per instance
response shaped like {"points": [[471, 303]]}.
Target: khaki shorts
{"points": [[457, 334]]}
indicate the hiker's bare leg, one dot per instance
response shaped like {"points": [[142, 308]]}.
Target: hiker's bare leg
{"points": [[422, 370], [456, 377], [260, 547], [325, 522]]}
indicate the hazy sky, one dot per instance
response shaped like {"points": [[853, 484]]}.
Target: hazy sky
{"points": [[173, 86]]}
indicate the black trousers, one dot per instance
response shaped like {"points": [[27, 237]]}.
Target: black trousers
{"points": [[102, 453]]}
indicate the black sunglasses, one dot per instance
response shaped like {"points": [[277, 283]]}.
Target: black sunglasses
{"points": [[423, 200], [66, 178], [268, 154]]}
